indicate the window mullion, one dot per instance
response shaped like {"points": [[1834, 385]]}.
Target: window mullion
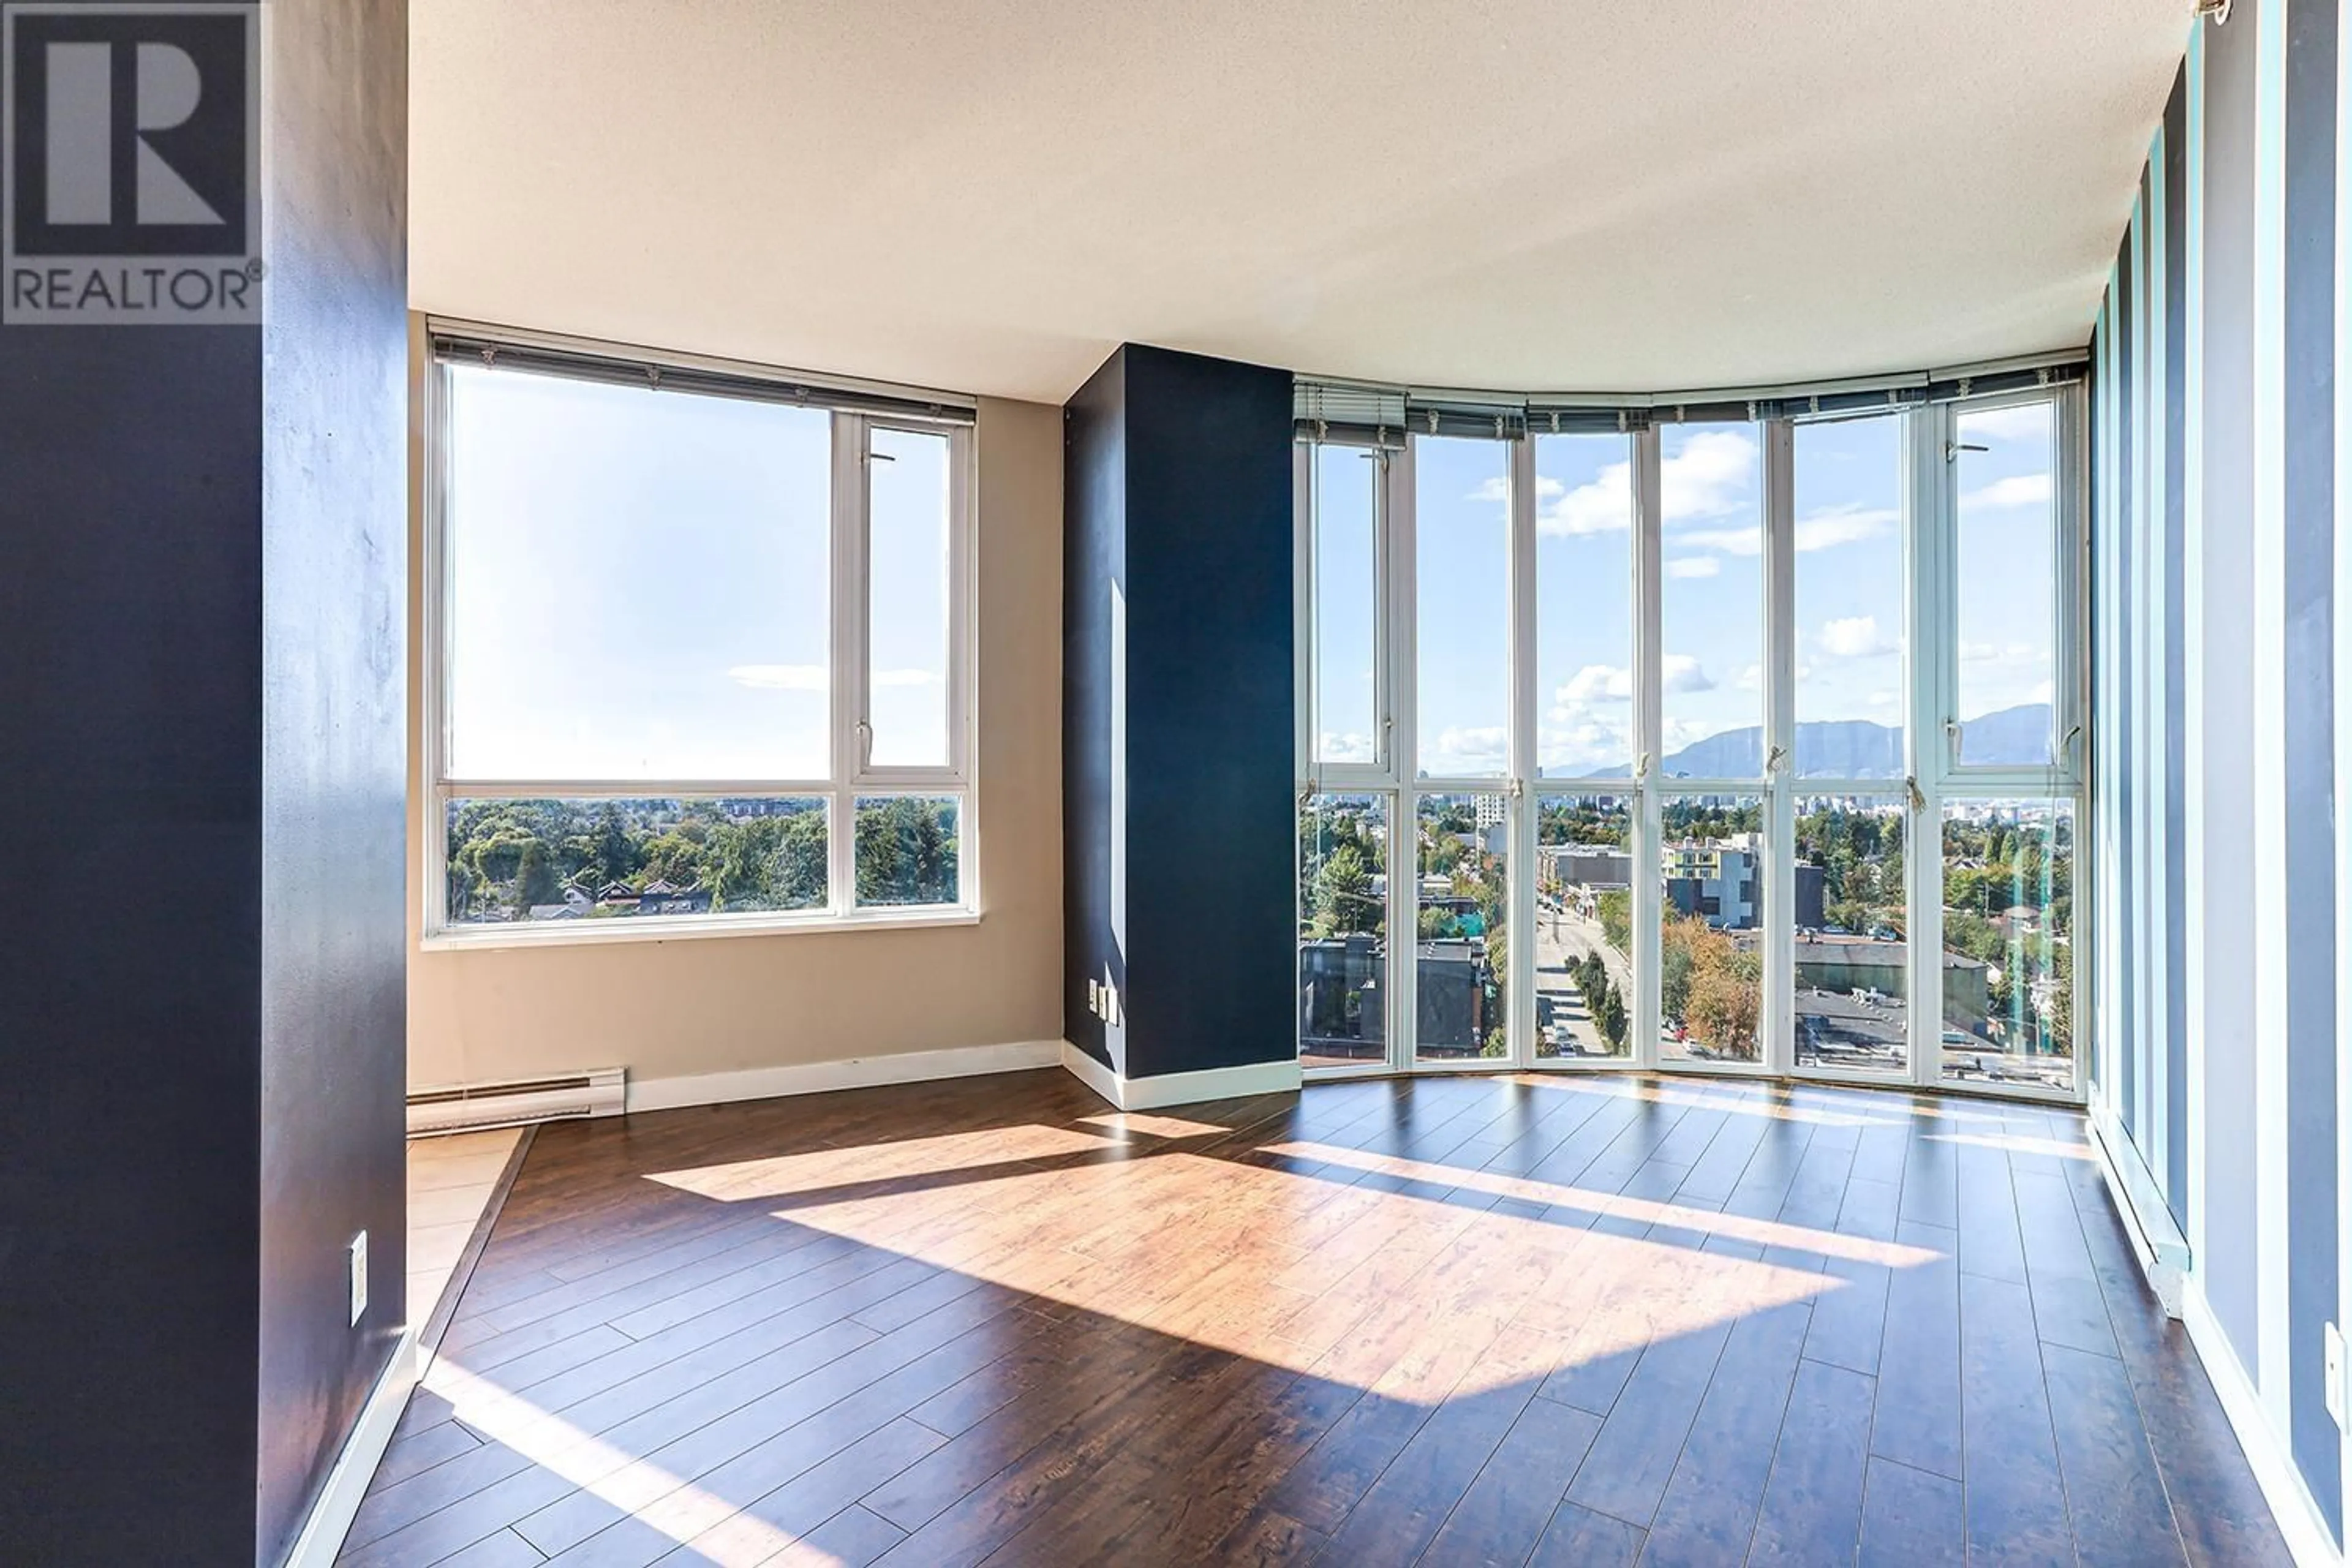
{"points": [[1302, 612], [1932, 657], [1519, 860], [1649, 711], [848, 718], [963, 609], [1404, 832], [1778, 1023]]}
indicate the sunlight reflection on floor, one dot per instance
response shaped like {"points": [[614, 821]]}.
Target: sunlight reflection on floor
{"points": [[1088, 1237]]}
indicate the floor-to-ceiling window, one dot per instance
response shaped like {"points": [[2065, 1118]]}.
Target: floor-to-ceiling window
{"points": [[2010, 750], [1721, 744], [1711, 870], [1582, 942], [1849, 956]]}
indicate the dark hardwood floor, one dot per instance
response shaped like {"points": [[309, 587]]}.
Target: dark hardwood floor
{"points": [[1453, 1321]]}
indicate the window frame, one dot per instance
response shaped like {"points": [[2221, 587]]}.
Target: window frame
{"points": [[849, 694], [1929, 495]]}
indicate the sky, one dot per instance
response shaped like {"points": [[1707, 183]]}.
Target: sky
{"points": [[639, 586], [1849, 586]]}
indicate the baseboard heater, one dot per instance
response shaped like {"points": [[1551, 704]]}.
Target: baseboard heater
{"points": [[463, 1107]]}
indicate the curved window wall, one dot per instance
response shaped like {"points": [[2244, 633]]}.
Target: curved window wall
{"points": [[1716, 746]]}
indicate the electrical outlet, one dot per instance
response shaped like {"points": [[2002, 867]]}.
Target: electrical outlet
{"points": [[359, 1277], [2332, 1337], [1094, 997]]}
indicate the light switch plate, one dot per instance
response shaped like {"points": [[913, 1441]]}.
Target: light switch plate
{"points": [[359, 1277], [2334, 1340]]}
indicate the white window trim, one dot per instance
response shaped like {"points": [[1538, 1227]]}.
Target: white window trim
{"points": [[849, 713], [1930, 540]]}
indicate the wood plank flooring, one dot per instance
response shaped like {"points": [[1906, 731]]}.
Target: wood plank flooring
{"points": [[1519, 1319]]}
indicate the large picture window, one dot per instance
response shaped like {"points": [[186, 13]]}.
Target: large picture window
{"points": [[1671, 738], [698, 656]]}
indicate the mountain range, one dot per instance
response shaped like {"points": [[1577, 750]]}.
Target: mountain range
{"points": [[1857, 749]]}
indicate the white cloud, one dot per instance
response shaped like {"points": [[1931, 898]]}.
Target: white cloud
{"points": [[1602, 504], [1751, 679], [1695, 566], [904, 678], [1567, 745], [1856, 636], [1345, 748], [1843, 525], [1472, 749], [2018, 489], [1817, 530], [1681, 672], [780, 676], [1498, 490], [1598, 683], [1713, 475], [1681, 732], [1882, 698], [2018, 422], [1746, 541]]}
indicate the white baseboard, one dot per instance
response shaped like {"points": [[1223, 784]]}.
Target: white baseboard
{"points": [[2308, 1539], [1180, 1087], [2155, 1238], [1106, 1083], [851, 1072], [338, 1500]]}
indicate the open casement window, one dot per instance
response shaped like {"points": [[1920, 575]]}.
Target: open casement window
{"points": [[2010, 709], [699, 654]]}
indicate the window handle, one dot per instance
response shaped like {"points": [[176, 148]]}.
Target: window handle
{"points": [[865, 745]]}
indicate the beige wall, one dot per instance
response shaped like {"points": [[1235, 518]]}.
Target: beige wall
{"points": [[667, 1009]]}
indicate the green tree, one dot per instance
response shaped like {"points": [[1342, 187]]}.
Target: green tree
{"points": [[905, 851], [1343, 894], [1617, 919], [798, 875], [1610, 1014], [616, 854], [535, 878]]}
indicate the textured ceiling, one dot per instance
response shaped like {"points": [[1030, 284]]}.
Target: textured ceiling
{"points": [[1639, 196]]}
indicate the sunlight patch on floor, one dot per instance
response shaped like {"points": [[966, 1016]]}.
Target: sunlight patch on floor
{"points": [[1270, 1268], [1761, 1231], [787, 1175], [651, 1497]]}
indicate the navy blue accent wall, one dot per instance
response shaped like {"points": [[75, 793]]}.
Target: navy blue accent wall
{"points": [[130, 1133], [2309, 413], [201, 713], [1179, 776], [334, 735], [1094, 571]]}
